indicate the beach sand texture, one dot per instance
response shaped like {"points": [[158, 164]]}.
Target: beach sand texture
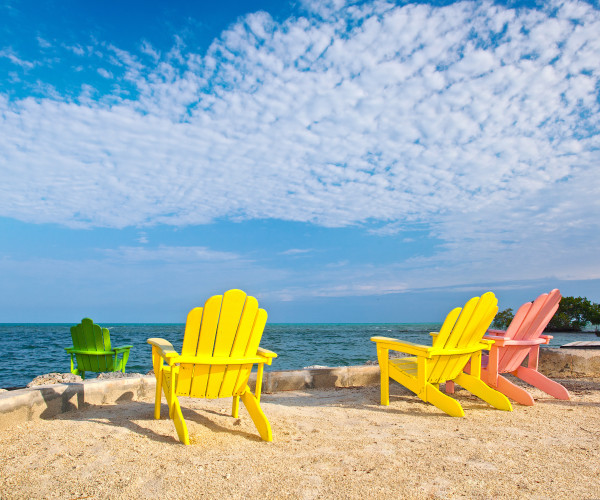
{"points": [[336, 443]]}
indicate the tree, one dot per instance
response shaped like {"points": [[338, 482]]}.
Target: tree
{"points": [[572, 315], [503, 319], [593, 315]]}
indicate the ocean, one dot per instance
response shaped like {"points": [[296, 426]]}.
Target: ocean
{"points": [[30, 350]]}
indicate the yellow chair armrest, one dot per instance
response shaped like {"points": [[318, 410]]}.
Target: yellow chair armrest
{"points": [[164, 349], [487, 343], [403, 346], [266, 353]]}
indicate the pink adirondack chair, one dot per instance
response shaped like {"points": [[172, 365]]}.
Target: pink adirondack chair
{"points": [[522, 338]]}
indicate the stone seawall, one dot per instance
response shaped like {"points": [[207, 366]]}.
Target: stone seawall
{"points": [[51, 400], [561, 363]]}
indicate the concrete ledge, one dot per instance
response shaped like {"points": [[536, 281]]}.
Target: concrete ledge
{"points": [[318, 378], [51, 400], [562, 363], [47, 401]]}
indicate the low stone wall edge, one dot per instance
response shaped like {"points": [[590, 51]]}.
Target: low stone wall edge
{"points": [[50, 400]]}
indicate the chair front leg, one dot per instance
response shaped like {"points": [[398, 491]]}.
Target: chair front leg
{"points": [[158, 374], [534, 354], [235, 407], [73, 366], [124, 361], [475, 369], [259, 378], [383, 360]]}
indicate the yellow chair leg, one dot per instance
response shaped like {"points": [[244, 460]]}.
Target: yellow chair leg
{"points": [[257, 415], [445, 403], [157, 397], [235, 410], [483, 391], [179, 422], [383, 360]]}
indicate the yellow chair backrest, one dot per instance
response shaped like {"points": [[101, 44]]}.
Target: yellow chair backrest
{"points": [[463, 327], [228, 326]]}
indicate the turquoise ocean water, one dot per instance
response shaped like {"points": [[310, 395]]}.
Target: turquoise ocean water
{"points": [[30, 350]]}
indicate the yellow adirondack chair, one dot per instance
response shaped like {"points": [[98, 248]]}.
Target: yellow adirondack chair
{"points": [[220, 346], [458, 341]]}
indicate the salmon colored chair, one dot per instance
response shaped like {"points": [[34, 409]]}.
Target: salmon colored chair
{"points": [[220, 346], [458, 341], [522, 339]]}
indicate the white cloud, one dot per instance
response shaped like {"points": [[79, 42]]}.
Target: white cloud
{"points": [[297, 251], [477, 120], [147, 49], [44, 44], [105, 73], [12, 56], [165, 253]]}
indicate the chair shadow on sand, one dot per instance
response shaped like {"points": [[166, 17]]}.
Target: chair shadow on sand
{"points": [[371, 401], [125, 413]]}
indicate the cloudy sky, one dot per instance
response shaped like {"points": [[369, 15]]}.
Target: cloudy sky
{"points": [[342, 161]]}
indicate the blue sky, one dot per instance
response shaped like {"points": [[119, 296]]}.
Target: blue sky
{"points": [[342, 161]]}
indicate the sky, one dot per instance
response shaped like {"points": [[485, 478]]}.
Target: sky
{"points": [[342, 161]]}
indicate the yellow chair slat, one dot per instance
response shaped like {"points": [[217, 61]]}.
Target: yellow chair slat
{"points": [[206, 343], [190, 345], [231, 313], [240, 343], [258, 327], [480, 320]]}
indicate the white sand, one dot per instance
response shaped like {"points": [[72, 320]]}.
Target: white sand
{"points": [[337, 443]]}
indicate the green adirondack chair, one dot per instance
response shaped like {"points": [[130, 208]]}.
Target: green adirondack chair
{"points": [[91, 347]]}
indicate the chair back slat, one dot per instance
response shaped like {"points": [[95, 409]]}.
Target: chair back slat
{"points": [[206, 345], [258, 327], [189, 348], [229, 325], [240, 344], [231, 313], [473, 321], [530, 321]]}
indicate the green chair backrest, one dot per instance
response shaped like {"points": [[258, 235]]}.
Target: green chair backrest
{"points": [[92, 338]]}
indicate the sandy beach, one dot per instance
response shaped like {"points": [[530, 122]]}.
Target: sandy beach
{"points": [[336, 443]]}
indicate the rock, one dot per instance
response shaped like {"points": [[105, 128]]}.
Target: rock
{"points": [[69, 378], [55, 378], [111, 375]]}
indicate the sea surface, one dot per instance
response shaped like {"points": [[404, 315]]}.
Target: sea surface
{"points": [[30, 350]]}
